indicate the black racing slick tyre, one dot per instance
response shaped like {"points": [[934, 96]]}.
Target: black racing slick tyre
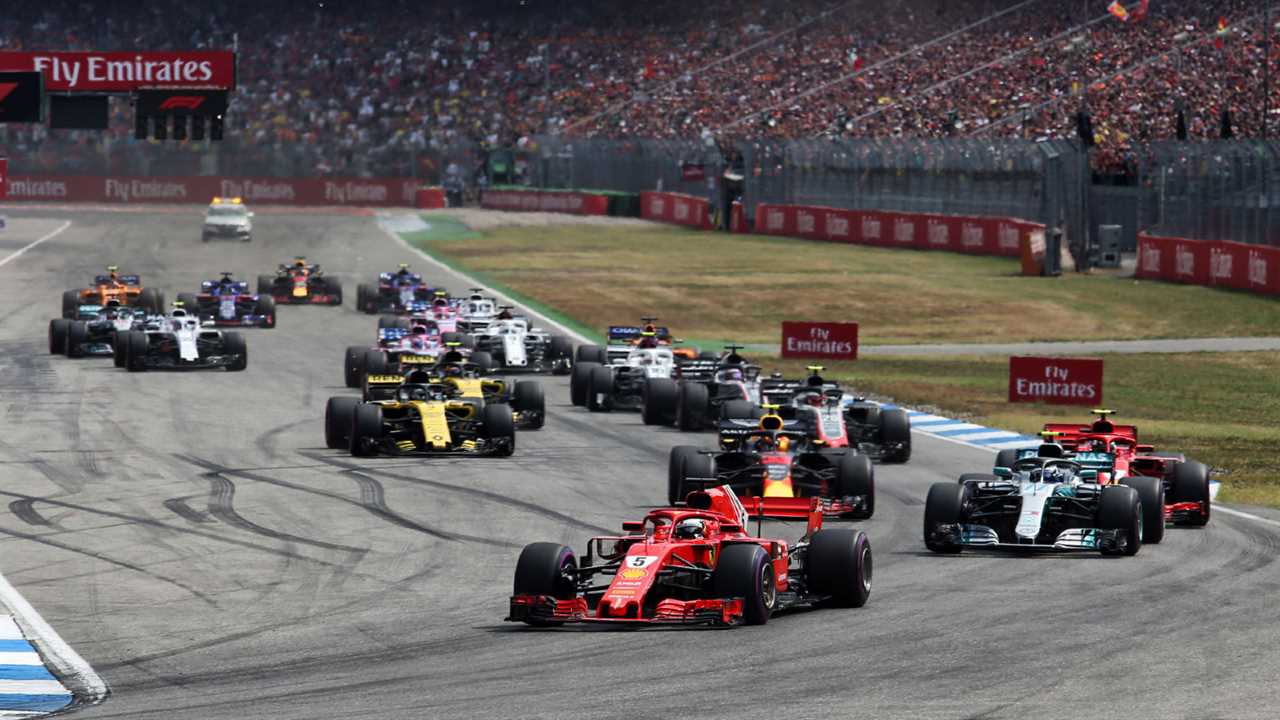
{"points": [[839, 565], [119, 349], [366, 430], [739, 410], [77, 336], [150, 300], [591, 353], [135, 350], [365, 297], [375, 362], [1119, 508], [945, 505], [691, 409], [1006, 458], [499, 428], [745, 571], [659, 402], [464, 340], [580, 382], [676, 460], [530, 401], [266, 308], [1191, 484], [559, 348], [338, 415], [233, 344], [353, 366], [1151, 495], [71, 304], [895, 433], [333, 288], [600, 389], [266, 283], [484, 360], [58, 336], [388, 322], [855, 475], [189, 303], [546, 569]]}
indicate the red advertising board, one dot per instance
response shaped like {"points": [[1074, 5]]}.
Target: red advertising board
{"points": [[573, 203], [676, 208], [375, 192], [126, 71], [4, 178], [1058, 381], [827, 340]]}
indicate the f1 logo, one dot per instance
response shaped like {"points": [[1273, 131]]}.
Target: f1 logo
{"points": [[179, 102], [6, 88]]}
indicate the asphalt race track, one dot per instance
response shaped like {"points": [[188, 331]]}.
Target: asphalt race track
{"points": [[191, 537]]}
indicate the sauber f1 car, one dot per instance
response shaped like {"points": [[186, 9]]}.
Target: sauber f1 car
{"points": [[423, 418], [123, 289], [771, 461], [179, 341], [395, 292], [694, 564], [1044, 502], [96, 335], [705, 390], [301, 283], [1115, 453], [515, 345], [227, 302], [623, 382]]}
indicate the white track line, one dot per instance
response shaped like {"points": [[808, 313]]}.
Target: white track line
{"points": [[476, 283], [47, 236], [1249, 516], [84, 683]]}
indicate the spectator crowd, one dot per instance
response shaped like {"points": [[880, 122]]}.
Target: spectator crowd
{"points": [[394, 87]]}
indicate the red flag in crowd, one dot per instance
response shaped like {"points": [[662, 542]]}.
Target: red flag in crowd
{"points": [[1141, 12], [855, 59], [1222, 33]]}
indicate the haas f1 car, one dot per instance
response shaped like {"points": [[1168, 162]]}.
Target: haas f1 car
{"points": [[1044, 501], [180, 341], [882, 432], [1114, 452], [769, 460], [227, 302], [694, 564], [395, 292], [301, 283], [110, 289]]}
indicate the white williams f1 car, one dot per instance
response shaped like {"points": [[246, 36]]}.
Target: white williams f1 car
{"points": [[180, 341]]}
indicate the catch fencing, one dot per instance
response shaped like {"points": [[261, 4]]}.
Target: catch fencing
{"points": [[686, 166], [1216, 190]]}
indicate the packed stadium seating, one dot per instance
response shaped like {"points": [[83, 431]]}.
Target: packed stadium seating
{"points": [[362, 88]]}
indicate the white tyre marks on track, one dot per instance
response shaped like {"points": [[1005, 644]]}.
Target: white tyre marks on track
{"points": [[29, 647]]}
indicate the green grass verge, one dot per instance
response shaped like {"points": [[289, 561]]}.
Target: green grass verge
{"points": [[717, 286]]}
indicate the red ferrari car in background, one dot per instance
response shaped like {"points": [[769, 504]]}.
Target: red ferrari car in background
{"points": [[695, 564]]}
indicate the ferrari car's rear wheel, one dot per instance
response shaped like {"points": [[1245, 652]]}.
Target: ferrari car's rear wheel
{"points": [[135, 353], [77, 336], [1191, 484], [692, 407], [745, 571], [233, 344], [1119, 508], [366, 430], [58, 336], [600, 388], [339, 413], [544, 569], [1151, 494], [945, 505], [580, 382], [70, 304], [499, 426], [530, 401], [266, 309], [680, 454], [659, 402], [895, 431], [839, 565], [353, 366], [857, 476]]}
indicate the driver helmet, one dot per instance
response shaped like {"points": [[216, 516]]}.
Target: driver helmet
{"points": [[812, 398], [300, 263], [404, 269], [764, 443], [690, 529], [505, 314], [441, 302], [731, 375], [648, 339], [784, 444], [1056, 475], [419, 377], [113, 272], [646, 359], [418, 330], [113, 303], [452, 370], [415, 392]]}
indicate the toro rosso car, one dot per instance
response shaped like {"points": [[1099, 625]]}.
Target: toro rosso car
{"points": [[623, 338], [395, 292], [1115, 453], [882, 432], [113, 286], [227, 302], [301, 283], [1044, 502], [705, 390], [467, 380], [179, 341], [694, 564], [97, 333], [769, 460], [516, 346], [423, 418]]}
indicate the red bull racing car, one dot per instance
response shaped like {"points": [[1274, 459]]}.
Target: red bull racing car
{"points": [[694, 564], [301, 283]]}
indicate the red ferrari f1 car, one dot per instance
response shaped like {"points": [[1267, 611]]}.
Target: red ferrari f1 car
{"points": [[695, 564], [1115, 453]]}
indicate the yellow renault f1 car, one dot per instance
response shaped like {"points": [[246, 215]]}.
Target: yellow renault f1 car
{"points": [[466, 380], [422, 418]]}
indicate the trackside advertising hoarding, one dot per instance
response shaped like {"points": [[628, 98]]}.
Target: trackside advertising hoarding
{"points": [[126, 71], [376, 192], [1057, 381], [4, 178], [825, 340]]}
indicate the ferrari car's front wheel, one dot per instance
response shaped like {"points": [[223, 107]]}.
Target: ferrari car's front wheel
{"points": [[546, 569], [839, 565], [746, 571], [1191, 484]]}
